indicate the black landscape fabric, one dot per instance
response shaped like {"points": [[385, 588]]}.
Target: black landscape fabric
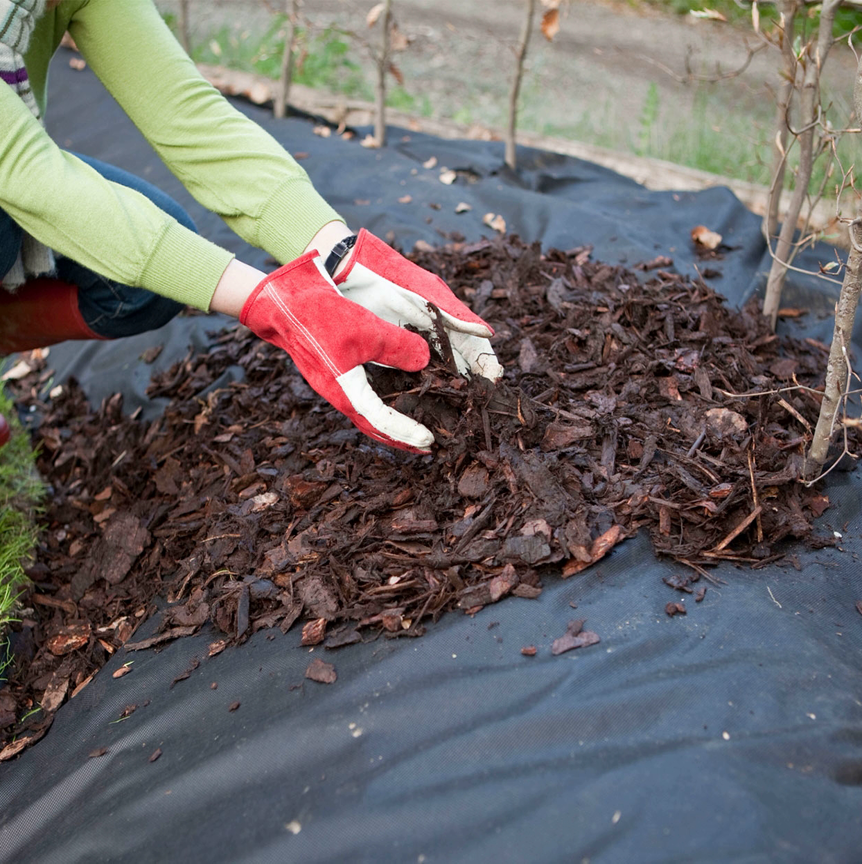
{"points": [[731, 733]]}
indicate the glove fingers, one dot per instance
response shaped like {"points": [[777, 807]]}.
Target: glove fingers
{"points": [[392, 304], [470, 327], [476, 354], [396, 289], [378, 420], [394, 346]]}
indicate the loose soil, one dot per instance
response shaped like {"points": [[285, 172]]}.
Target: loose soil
{"points": [[630, 400]]}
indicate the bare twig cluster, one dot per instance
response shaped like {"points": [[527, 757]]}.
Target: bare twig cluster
{"points": [[839, 371], [801, 121]]}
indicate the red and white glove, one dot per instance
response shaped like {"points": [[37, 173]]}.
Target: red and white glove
{"points": [[398, 291], [299, 309]]}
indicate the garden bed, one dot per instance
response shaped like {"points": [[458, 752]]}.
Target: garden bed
{"points": [[628, 403]]}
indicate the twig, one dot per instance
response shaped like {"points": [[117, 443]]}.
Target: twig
{"points": [[380, 88], [773, 598], [754, 493], [516, 84], [737, 531]]}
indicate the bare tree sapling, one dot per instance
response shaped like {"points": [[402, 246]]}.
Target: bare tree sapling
{"points": [[838, 371]]}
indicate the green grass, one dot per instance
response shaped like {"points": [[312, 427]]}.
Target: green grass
{"points": [[20, 494], [846, 19], [322, 59]]}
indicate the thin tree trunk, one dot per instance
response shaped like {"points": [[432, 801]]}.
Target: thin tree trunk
{"points": [[183, 26], [845, 314], [516, 84], [809, 101], [382, 68], [282, 91], [787, 10]]}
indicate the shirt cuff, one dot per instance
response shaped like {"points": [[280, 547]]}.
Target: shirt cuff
{"points": [[185, 267], [291, 217]]}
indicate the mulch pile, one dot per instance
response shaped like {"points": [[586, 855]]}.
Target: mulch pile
{"points": [[255, 505]]}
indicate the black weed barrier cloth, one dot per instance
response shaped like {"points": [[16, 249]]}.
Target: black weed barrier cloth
{"points": [[731, 734]]}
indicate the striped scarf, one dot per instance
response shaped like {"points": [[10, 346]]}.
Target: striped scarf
{"points": [[17, 19]]}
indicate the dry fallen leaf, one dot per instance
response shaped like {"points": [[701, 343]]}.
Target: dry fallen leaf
{"points": [[448, 176], [374, 14], [405, 199], [17, 372], [574, 637], [463, 207], [492, 220], [322, 672], [322, 131], [707, 13], [398, 41], [430, 163], [123, 670], [369, 142], [550, 23], [706, 238]]}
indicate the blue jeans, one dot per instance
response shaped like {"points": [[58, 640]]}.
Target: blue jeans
{"points": [[110, 310]]}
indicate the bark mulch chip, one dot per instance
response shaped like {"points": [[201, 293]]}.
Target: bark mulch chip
{"points": [[629, 401]]}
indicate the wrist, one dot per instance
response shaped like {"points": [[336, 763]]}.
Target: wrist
{"points": [[326, 238], [235, 287]]}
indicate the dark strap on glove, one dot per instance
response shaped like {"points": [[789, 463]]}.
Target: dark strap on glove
{"points": [[339, 250]]}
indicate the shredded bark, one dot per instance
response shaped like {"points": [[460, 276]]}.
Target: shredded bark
{"points": [[628, 403]]}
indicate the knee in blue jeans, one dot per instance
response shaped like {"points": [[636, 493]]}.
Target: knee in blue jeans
{"points": [[10, 242]]}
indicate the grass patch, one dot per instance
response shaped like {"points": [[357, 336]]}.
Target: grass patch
{"points": [[20, 494], [322, 59]]}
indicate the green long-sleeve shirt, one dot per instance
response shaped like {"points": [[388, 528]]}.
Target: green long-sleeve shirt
{"points": [[226, 161]]}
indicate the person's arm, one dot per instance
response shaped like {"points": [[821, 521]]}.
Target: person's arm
{"points": [[228, 163], [109, 228]]}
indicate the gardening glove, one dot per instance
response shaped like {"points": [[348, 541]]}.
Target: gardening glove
{"points": [[396, 290], [298, 308]]}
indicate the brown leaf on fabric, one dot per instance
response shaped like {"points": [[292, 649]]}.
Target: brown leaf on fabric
{"points": [[321, 671], [675, 609], [155, 754], [574, 637], [97, 753], [529, 650], [702, 236]]}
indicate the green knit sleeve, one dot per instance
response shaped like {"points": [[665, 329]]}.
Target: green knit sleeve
{"points": [[228, 163], [111, 229]]}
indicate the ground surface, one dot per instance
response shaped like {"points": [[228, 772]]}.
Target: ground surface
{"points": [[600, 81]]}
